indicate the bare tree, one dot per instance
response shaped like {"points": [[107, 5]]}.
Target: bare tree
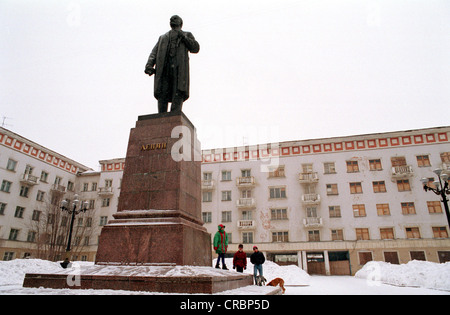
{"points": [[51, 228]]}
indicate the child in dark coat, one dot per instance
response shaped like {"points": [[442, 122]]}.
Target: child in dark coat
{"points": [[240, 259]]}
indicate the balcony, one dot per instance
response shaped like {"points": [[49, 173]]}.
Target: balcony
{"points": [[312, 222], [246, 224], [402, 171], [28, 179], [244, 182], [308, 178], [311, 199], [246, 203], [105, 191], [208, 184], [58, 188]]}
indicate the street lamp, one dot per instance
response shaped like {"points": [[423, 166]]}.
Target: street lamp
{"points": [[74, 211], [441, 188]]}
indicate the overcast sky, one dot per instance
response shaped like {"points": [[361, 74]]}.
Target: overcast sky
{"points": [[72, 72]]}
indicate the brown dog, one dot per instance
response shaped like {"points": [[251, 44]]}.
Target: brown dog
{"points": [[277, 281]]}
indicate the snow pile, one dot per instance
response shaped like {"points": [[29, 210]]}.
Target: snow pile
{"points": [[13, 271], [415, 273], [291, 274]]}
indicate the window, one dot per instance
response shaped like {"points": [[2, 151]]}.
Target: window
{"points": [[13, 233], [387, 233], [355, 188], [408, 208], [314, 236], [226, 216], [280, 236], [359, 210], [86, 241], [36, 215], [85, 186], [31, 237], [403, 185], [226, 175], [226, 195], [329, 168], [391, 257], [6, 186], [207, 196], [364, 257], [352, 167], [277, 172], [445, 157], [70, 186], [105, 202], [311, 212], [40, 195], [19, 212], [332, 189], [278, 214], [423, 160], [277, 192], [247, 215], [44, 176], [362, 234], [418, 255], [24, 191], [207, 217], [2, 208], [398, 161], [379, 186], [375, 165], [207, 176], [246, 173], [412, 232], [103, 220], [29, 169], [88, 222], [440, 232], [383, 209], [11, 165], [91, 204], [58, 180], [94, 187], [247, 237], [108, 183], [335, 211], [307, 167], [434, 207], [337, 235], [8, 256], [80, 222]]}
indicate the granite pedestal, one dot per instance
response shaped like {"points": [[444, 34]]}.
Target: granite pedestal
{"points": [[158, 220]]}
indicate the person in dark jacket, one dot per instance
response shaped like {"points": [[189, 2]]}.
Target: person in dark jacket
{"points": [[169, 61], [257, 259], [240, 259]]}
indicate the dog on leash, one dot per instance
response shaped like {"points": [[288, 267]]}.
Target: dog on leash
{"points": [[260, 280], [277, 281]]}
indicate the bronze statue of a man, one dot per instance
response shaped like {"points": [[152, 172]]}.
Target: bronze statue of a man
{"points": [[170, 56]]}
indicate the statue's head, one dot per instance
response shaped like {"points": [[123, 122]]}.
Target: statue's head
{"points": [[176, 21]]}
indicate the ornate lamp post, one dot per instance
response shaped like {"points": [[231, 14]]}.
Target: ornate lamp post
{"points": [[441, 188], [72, 211]]}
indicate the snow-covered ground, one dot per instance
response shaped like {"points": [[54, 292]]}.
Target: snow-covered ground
{"points": [[375, 278]]}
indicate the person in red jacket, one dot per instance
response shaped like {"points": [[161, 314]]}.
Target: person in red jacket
{"points": [[240, 259]]}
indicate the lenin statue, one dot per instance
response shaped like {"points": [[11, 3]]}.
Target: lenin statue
{"points": [[171, 61]]}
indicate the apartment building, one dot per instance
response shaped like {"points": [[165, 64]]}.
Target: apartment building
{"points": [[331, 205], [327, 205]]}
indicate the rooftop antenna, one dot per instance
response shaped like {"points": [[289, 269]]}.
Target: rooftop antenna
{"points": [[3, 121]]}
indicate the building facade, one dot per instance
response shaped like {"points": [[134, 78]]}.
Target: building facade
{"points": [[327, 205]]}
